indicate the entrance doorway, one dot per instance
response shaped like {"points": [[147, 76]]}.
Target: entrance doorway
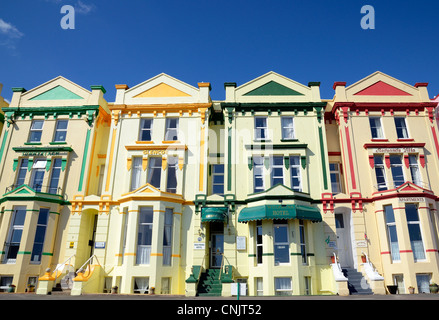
{"points": [[216, 244], [344, 244]]}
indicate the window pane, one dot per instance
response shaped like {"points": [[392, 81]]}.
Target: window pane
{"points": [[155, 171], [287, 128]]}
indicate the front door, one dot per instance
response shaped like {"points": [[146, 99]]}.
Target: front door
{"points": [[343, 240], [216, 250]]}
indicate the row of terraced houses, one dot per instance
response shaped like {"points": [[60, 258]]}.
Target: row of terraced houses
{"points": [[167, 191]]}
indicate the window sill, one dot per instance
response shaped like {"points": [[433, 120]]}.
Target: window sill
{"points": [[144, 142], [405, 139], [379, 140], [32, 143], [262, 140], [57, 143], [171, 141], [289, 140]]}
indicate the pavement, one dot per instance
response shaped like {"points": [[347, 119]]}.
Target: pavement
{"points": [[181, 298]]}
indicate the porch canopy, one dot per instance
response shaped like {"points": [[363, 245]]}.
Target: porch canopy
{"points": [[214, 214], [292, 211]]}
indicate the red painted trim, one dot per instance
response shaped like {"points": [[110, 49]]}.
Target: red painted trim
{"points": [[394, 145], [371, 162], [405, 251], [431, 250], [406, 161], [344, 161], [378, 106], [422, 160], [387, 161], [402, 140], [339, 83], [436, 143], [385, 252], [351, 161], [379, 140], [334, 153], [381, 88], [421, 84]]}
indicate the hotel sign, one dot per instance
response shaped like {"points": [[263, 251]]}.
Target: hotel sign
{"points": [[396, 150]]}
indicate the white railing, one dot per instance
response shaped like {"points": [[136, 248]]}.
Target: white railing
{"points": [[370, 271], [62, 265], [91, 262], [336, 269]]}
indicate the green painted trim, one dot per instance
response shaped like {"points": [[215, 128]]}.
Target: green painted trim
{"points": [[273, 88], [24, 252], [47, 254], [2, 252], [57, 93], [42, 149], [322, 153], [19, 89], [52, 110], [53, 212], [84, 160], [99, 88], [229, 159], [295, 254], [252, 255], [268, 254], [2, 149], [57, 143], [276, 146], [32, 143], [268, 107]]}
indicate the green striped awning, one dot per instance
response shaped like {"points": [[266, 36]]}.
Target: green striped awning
{"points": [[214, 214], [291, 211]]}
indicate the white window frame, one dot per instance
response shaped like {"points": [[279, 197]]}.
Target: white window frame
{"points": [[258, 165], [143, 253], [376, 124], [397, 165], [302, 236], [287, 291], [298, 167], [288, 132], [217, 174], [167, 236], [259, 240], [143, 128], [55, 175], [37, 131], [41, 227], [58, 130], [23, 168], [261, 129], [14, 227], [172, 169], [276, 166], [381, 168], [152, 168], [404, 128], [136, 173], [415, 173], [336, 172], [169, 130], [418, 253], [38, 166], [394, 252]]}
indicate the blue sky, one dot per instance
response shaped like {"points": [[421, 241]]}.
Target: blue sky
{"points": [[128, 42]]}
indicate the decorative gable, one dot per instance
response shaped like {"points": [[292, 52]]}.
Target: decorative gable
{"points": [[273, 88], [57, 93], [381, 88], [162, 90]]}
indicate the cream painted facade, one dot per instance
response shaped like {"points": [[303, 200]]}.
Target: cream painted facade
{"points": [[155, 163], [383, 149], [276, 253], [45, 153]]}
